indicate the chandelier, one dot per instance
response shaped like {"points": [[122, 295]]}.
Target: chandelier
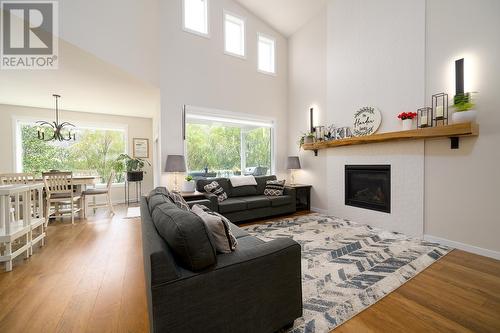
{"points": [[54, 130]]}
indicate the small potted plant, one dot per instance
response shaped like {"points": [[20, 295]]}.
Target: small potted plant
{"points": [[134, 167], [189, 184], [464, 109], [407, 118]]}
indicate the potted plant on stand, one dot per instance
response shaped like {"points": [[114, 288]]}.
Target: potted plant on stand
{"points": [[189, 184], [134, 167], [464, 109], [407, 118]]}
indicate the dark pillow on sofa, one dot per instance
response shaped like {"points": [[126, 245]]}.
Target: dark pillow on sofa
{"points": [[223, 182], [262, 182], [187, 236], [156, 197]]}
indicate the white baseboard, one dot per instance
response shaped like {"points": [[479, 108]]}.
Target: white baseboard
{"points": [[319, 210], [464, 247]]}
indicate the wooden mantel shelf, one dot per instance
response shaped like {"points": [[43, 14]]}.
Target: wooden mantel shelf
{"points": [[449, 131]]}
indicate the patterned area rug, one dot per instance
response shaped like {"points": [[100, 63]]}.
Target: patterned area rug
{"points": [[347, 267]]}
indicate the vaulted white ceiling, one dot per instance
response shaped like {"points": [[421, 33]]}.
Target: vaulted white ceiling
{"points": [[286, 16]]}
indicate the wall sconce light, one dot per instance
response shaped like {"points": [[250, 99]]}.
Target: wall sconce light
{"points": [[311, 117]]}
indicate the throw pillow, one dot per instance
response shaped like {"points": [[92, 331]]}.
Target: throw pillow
{"points": [[158, 196], [179, 201], [216, 189], [274, 188], [237, 181], [186, 235], [219, 226]]}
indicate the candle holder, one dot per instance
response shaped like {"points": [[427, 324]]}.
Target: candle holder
{"points": [[320, 133], [440, 109], [424, 117]]}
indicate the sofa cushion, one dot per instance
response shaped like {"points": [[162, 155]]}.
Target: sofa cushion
{"points": [[243, 191], [187, 236], [281, 200], [257, 201], [232, 205], [219, 226], [262, 182], [216, 189], [223, 182], [156, 197], [238, 232], [274, 188], [179, 201]]}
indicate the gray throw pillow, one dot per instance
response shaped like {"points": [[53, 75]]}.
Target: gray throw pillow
{"points": [[156, 197], [179, 201], [274, 188], [216, 189], [225, 242], [186, 235]]}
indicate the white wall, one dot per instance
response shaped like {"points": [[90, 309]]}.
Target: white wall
{"points": [[137, 128], [395, 55], [195, 71], [375, 58], [306, 89], [125, 33], [462, 186]]}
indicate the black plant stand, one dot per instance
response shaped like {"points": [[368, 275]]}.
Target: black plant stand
{"points": [[138, 191]]}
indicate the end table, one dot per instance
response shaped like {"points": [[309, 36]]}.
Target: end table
{"points": [[303, 194]]}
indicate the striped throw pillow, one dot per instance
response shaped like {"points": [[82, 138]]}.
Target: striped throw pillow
{"points": [[274, 188], [216, 189], [179, 201]]}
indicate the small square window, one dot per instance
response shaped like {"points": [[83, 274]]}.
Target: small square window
{"points": [[195, 16], [267, 60], [234, 35]]}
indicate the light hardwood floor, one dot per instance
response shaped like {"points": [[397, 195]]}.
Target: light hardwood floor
{"points": [[89, 278]]}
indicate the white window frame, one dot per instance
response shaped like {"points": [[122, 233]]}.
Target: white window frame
{"points": [[242, 118], [192, 31], [243, 19], [275, 43], [17, 150]]}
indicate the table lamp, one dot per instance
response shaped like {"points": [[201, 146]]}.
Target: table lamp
{"points": [[293, 163], [175, 164]]}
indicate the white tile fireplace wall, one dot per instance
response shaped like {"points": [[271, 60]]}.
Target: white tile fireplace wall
{"points": [[407, 184]]}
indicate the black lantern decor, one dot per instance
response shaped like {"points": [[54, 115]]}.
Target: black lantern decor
{"points": [[440, 109], [424, 117]]}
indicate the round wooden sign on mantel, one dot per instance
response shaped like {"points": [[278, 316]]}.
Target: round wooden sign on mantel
{"points": [[367, 120]]}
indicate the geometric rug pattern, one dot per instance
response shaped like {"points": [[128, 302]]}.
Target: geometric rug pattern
{"points": [[346, 267]]}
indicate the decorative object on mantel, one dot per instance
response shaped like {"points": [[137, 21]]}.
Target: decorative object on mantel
{"points": [[320, 133], [440, 109], [292, 164], [366, 121], [407, 120], [189, 185], [424, 117], [464, 109], [306, 138], [56, 128], [343, 133]]}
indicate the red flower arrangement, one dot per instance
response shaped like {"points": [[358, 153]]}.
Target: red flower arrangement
{"points": [[407, 115]]}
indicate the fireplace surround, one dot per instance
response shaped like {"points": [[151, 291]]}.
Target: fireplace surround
{"points": [[368, 187]]}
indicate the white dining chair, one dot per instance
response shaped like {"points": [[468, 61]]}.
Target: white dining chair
{"points": [[93, 192], [59, 189]]}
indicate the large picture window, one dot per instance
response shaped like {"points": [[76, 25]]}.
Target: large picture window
{"points": [[225, 146], [93, 153]]}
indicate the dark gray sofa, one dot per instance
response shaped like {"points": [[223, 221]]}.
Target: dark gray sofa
{"points": [[256, 288], [249, 202]]}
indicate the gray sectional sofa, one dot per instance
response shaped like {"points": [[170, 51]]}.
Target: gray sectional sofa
{"points": [[249, 202], [256, 288]]}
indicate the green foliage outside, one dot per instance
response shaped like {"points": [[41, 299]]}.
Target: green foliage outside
{"points": [[218, 148], [94, 153]]}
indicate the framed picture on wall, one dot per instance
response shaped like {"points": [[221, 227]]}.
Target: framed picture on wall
{"points": [[141, 148]]}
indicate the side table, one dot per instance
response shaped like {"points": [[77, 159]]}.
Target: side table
{"points": [[303, 193]]}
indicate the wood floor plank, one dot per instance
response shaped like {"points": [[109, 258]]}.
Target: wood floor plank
{"points": [[89, 278]]}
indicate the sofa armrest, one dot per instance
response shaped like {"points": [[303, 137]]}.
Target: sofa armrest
{"points": [[291, 192], [262, 282], [214, 201]]}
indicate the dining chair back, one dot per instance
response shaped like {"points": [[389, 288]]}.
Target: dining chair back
{"points": [[93, 192], [16, 178], [59, 189]]}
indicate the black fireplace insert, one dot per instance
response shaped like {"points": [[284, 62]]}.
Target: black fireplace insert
{"points": [[368, 186]]}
